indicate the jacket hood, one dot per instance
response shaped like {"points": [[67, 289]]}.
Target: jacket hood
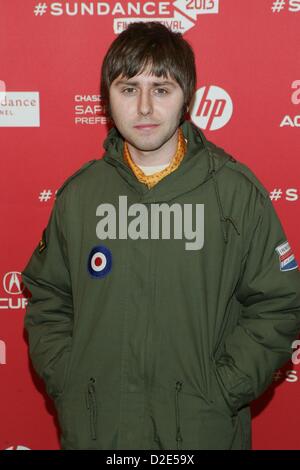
{"points": [[202, 161]]}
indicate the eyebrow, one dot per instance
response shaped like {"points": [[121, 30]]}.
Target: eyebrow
{"points": [[126, 82]]}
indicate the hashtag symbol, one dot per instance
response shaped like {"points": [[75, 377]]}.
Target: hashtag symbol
{"points": [[275, 194], [278, 5], [40, 9], [45, 195], [277, 375]]}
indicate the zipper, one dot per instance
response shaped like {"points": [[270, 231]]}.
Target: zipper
{"points": [[92, 407], [178, 388]]}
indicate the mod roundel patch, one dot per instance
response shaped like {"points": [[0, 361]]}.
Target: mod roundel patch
{"points": [[99, 261]]}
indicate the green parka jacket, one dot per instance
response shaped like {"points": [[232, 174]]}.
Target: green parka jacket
{"points": [[142, 342]]}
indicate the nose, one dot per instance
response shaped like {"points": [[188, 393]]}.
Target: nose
{"points": [[145, 102]]}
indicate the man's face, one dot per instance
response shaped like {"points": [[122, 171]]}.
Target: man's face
{"points": [[143, 100]]}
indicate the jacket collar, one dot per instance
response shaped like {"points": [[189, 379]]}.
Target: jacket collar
{"points": [[193, 170], [201, 162]]}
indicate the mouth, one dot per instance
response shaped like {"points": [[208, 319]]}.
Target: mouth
{"points": [[146, 127]]}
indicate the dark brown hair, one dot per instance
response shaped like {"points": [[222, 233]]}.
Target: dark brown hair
{"points": [[150, 43]]}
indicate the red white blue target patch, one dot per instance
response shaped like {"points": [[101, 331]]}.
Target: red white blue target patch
{"points": [[100, 261], [286, 257]]}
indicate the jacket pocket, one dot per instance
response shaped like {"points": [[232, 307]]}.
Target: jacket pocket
{"points": [[219, 402], [217, 397], [56, 384], [91, 404], [185, 419]]}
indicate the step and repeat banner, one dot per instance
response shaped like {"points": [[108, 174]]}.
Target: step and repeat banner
{"points": [[53, 119]]}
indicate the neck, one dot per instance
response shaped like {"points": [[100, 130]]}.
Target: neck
{"points": [[161, 156]]}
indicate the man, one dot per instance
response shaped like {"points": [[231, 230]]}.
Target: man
{"points": [[164, 291]]}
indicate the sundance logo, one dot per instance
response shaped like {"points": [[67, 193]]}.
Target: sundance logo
{"points": [[170, 14], [179, 15]]}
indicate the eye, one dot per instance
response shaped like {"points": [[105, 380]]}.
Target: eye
{"points": [[127, 90], [165, 92], [160, 91]]}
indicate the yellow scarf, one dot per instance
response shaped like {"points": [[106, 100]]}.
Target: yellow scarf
{"points": [[152, 180]]}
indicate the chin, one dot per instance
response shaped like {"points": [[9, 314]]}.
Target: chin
{"points": [[146, 148], [144, 143]]}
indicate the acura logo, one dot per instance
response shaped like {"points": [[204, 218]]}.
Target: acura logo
{"points": [[12, 283]]}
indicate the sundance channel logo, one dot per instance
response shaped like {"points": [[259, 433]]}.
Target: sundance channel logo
{"points": [[19, 108]]}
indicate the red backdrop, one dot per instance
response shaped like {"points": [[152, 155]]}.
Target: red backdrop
{"points": [[52, 121]]}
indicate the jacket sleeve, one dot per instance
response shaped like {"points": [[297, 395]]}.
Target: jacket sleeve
{"points": [[269, 293], [49, 312]]}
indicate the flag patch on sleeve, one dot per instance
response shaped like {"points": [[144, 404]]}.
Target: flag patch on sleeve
{"points": [[287, 259]]}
